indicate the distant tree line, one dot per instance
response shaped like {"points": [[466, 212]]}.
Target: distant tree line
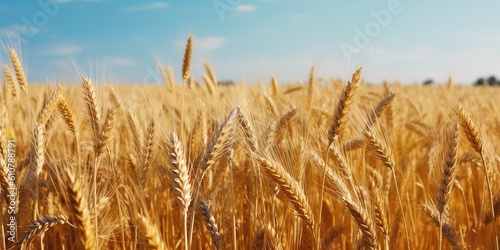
{"points": [[487, 81], [492, 81]]}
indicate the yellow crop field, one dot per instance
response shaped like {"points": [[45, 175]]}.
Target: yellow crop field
{"points": [[201, 165]]}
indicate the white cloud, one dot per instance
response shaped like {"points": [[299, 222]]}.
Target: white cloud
{"points": [[245, 8], [62, 50], [145, 7], [118, 61], [209, 43]]}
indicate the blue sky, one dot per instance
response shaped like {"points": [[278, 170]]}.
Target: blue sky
{"points": [[250, 40]]}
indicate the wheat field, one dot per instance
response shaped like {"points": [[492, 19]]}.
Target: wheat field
{"points": [[183, 165]]}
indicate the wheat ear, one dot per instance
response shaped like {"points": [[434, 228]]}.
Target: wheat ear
{"points": [[271, 104], [250, 135], [40, 226], [365, 224], [186, 63], [386, 156], [181, 180], [389, 114], [211, 74], [310, 88], [93, 108], [295, 89], [210, 84], [449, 171], [107, 131], [9, 81], [171, 81], [147, 152], [474, 139], [221, 141], [470, 130], [211, 225], [163, 74], [134, 130], [50, 106], [18, 68], [380, 216], [381, 106], [344, 104], [447, 229], [353, 144], [153, 234], [275, 87], [198, 137], [275, 130], [489, 215], [38, 157], [67, 114], [266, 239], [4, 170], [290, 188], [448, 177], [81, 213]]}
